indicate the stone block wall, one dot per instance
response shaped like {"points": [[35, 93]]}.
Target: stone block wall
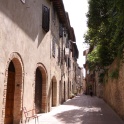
{"points": [[114, 89]]}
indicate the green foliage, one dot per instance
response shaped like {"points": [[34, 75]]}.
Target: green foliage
{"points": [[101, 78], [106, 31], [114, 74], [93, 56]]}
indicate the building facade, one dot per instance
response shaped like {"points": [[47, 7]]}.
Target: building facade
{"points": [[34, 67]]}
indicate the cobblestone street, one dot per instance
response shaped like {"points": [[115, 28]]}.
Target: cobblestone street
{"points": [[82, 109]]}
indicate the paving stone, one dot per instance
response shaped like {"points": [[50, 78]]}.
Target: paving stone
{"points": [[82, 109]]}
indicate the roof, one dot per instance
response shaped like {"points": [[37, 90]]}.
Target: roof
{"points": [[72, 34], [76, 50], [59, 6]]}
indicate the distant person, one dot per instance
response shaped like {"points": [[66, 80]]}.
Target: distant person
{"points": [[91, 92]]}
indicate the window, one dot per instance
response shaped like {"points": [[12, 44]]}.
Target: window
{"points": [[62, 54], [53, 47], [67, 43], [60, 30], [66, 61], [45, 18], [69, 64], [58, 55], [71, 48]]}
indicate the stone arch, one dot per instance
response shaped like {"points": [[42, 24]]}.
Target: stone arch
{"points": [[54, 91], [40, 88], [13, 83]]}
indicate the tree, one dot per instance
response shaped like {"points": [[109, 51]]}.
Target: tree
{"points": [[106, 31]]}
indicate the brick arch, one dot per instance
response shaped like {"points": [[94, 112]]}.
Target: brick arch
{"points": [[54, 91], [16, 59], [44, 74]]}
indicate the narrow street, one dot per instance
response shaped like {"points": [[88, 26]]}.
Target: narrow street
{"points": [[82, 109]]}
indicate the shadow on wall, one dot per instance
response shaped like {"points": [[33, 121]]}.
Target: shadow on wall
{"points": [[27, 16]]}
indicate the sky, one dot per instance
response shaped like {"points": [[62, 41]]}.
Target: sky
{"points": [[77, 10]]}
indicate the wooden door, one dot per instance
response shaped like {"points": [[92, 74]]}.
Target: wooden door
{"points": [[64, 92], [10, 98], [38, 91], [60, 92], [68, 89], [52, 94]]}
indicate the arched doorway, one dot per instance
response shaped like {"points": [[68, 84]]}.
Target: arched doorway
{"points": [[54, 92], [40, 89], [14, 90], [9, 108]]}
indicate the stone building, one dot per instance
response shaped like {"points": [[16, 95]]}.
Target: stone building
{"points": [[80, 80], [90, 79], [34, 69]]}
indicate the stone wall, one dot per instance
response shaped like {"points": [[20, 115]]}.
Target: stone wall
{"points": [[114, 88]]}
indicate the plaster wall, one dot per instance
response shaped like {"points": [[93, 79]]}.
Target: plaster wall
{"points": [[21, 32]]}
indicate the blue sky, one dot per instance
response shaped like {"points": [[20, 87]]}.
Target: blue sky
{"points": [[77, 10]]}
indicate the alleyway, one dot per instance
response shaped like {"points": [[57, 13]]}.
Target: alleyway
{"points": [[82, 109]]}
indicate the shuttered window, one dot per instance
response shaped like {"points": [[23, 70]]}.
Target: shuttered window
{"points": [[60, 30], [62, 54], [66, 61], [69, 62], [53, 47], [58, 55], [67, 43], [71, 48], [45, 18]]}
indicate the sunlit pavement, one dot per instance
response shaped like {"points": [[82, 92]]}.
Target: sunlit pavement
{"points": [[82, 109]]}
